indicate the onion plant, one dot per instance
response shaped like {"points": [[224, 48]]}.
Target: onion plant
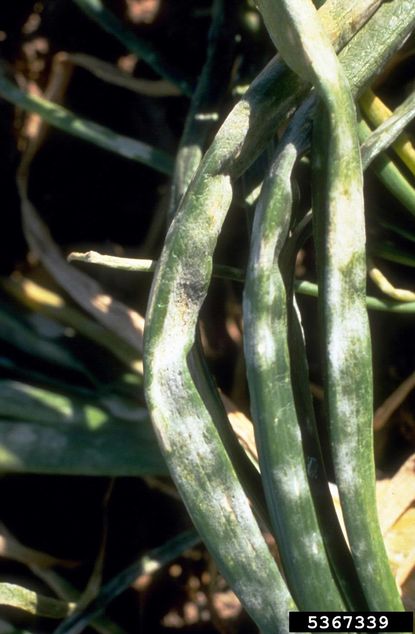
{"points": [[186, 427]]}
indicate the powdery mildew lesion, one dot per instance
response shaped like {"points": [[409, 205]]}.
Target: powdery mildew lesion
{"points": [[312, 542], [291, 481]]}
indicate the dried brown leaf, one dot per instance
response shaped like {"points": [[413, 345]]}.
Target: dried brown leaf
{"points": [[391, 404], [242, 427]]}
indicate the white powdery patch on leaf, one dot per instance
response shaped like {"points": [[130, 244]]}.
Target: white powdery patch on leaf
{"points": [[345, 471], [313, 544], [266, 349], [292, 482]]}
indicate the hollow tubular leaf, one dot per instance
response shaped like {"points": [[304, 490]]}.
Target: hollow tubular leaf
{"points": [[349, 383], [297, 32], [279, 441], [337, 549]]}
